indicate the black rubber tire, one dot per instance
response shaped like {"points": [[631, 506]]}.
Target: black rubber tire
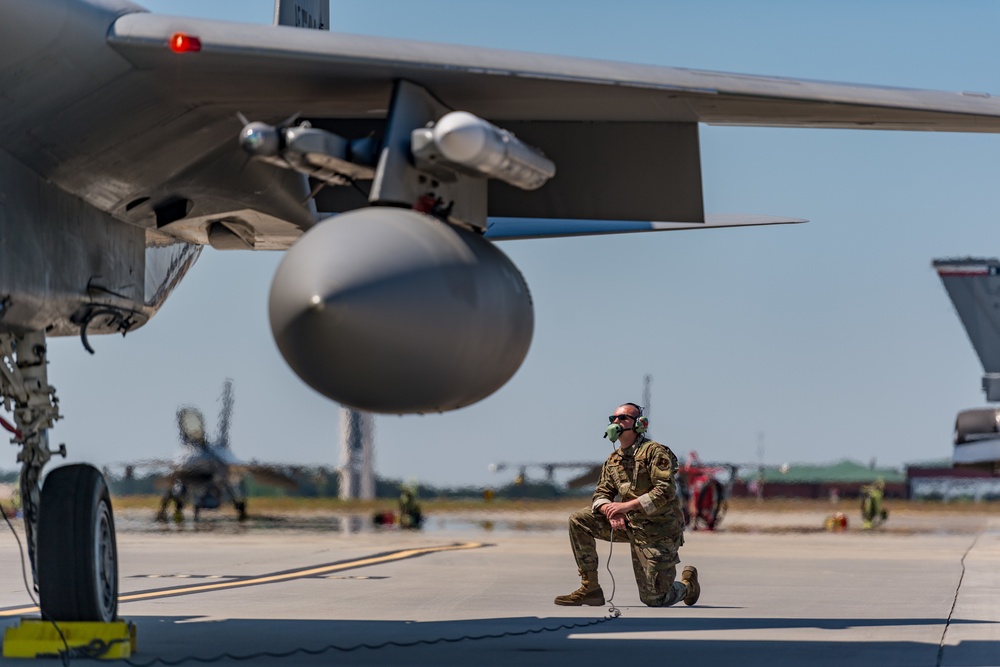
{"points": [[710, 502], [77, 558]]}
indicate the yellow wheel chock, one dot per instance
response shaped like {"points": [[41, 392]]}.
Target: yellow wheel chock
{"points": [[35, 638]]}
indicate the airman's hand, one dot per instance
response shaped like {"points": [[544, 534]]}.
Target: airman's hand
{"points": [[616, 514]]}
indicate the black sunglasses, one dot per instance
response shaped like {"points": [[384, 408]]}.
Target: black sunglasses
{"points": [[612, 418]]}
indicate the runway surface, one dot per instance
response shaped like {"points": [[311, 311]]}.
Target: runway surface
{"points": [[477, 589]]}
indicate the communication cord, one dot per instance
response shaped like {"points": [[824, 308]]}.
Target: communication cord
{"points": [[614, 611], [348, 649]]}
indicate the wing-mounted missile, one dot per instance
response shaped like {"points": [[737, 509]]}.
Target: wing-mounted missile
{"points": [[322, 155], [466, 143], [438, 160], [432, 158]]}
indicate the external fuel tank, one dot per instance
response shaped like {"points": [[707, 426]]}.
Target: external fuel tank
{"points": [[390, 310]]}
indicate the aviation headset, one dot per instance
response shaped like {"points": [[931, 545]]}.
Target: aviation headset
{"points": [[640, 425], [641, 422]]}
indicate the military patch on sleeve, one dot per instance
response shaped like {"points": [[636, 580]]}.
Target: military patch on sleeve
{"points": [[662, 461]]}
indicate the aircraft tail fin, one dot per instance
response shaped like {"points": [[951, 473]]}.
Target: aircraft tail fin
{"points": [[974, 287], [303, 13]]}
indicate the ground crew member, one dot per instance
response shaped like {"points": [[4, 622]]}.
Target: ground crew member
{"points": [[410, 515], [873, 512], [635, 501]]}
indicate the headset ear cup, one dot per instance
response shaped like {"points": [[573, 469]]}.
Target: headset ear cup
{"points": [[641, 424]]}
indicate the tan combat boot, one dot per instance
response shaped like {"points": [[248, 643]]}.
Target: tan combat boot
{"points": [[589, 593], [690, 579]]}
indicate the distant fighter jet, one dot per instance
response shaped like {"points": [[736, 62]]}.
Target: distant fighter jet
{"points": [[974, 287], [396, 167], [207, 474]]}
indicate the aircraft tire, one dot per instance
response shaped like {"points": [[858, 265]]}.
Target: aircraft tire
{"points": [[723, 508], [77, 551], [710, 503]]}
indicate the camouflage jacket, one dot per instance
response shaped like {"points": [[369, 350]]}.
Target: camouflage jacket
{"points": [[647, 471]]}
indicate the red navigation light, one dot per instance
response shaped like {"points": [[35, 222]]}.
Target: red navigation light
{"points": [[181, 43]]}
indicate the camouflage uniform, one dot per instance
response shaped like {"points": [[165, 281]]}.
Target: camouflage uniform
{"points": [[647, 472]]}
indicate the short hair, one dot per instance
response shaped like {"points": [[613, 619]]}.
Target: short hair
{"points": [[636, 406]]}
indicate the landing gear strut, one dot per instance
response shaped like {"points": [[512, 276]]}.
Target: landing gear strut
{"points": [[68, 524]]}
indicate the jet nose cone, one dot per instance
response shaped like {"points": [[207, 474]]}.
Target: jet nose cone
{"points": [[393, 311]]}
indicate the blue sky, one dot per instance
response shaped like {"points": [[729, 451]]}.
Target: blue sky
{"points": [[820, 341]]}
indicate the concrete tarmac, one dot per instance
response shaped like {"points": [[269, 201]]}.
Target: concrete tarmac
{"points": [[477, 589]]}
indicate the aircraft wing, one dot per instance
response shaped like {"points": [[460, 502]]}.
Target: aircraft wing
{"points": [[146, 465], [624, 137], [588, 478], [349, 76], [160, 144], [270, 474]]}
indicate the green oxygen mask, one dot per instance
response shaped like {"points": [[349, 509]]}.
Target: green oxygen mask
{"points": [[614, 431]]}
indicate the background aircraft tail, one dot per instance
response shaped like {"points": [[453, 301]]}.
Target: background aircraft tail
{"points": [[225, 414], [974, 287], [303, 13]]}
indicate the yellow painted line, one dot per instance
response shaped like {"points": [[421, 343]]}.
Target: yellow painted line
{"points": [[273, 578], [18, 612]]}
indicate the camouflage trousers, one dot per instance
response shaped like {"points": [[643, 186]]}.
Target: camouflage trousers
{"points": [[653, 548]]}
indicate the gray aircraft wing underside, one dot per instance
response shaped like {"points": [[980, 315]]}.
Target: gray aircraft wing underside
{"points": [[160, 127]]}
